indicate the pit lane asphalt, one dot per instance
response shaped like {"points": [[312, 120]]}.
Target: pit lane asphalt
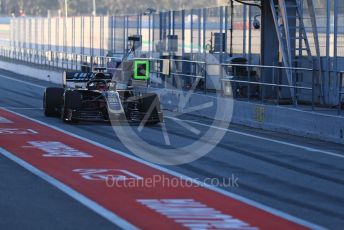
{"points": [[304, 183]]}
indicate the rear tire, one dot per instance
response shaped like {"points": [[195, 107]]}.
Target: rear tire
{"points": [[52, 101], [148, 100]]}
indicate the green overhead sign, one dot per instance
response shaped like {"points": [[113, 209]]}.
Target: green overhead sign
{"points": [[141, 70]]}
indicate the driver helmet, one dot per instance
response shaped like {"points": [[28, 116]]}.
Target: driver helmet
{"points": [[101, 86]]}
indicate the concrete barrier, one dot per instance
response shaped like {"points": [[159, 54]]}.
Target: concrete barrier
{"points": [[293, 121], [30, 71]]}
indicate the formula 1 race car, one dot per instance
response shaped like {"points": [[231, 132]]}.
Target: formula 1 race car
{"points": [[100, 99]]}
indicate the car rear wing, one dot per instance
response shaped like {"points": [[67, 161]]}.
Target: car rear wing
{"points": [[82, 77]]}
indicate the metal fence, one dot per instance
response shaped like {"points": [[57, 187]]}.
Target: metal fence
{"points": [[340, 92], [184, 74], [99, 36], [89, 35], [82, 42]]}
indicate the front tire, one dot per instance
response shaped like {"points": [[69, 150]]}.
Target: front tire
{"points": [[71, 103]]}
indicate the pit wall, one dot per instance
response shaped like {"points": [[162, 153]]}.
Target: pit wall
{"points": [[293, 121], [52, 76]]}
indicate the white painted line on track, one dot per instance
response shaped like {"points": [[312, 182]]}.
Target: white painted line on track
{"points": [[184, 177], [19, 108], [310, 149], [110, 216]]}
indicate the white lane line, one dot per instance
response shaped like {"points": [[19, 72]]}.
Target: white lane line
{"points": [[19, 108], [310, 149], [187, 178], [24, 82], [32, 131], [110, 216], [5, 121]]}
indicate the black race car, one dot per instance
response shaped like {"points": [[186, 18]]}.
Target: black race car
{"points": [[96, 97]]}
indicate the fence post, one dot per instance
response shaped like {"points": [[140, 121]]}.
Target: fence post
{"points": [[335, 52], [49, 41], [205, 77], [57, 41], [295, 89], [340, 92], [244, 30], [204, 27], [91, 38], [313, 85]]}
